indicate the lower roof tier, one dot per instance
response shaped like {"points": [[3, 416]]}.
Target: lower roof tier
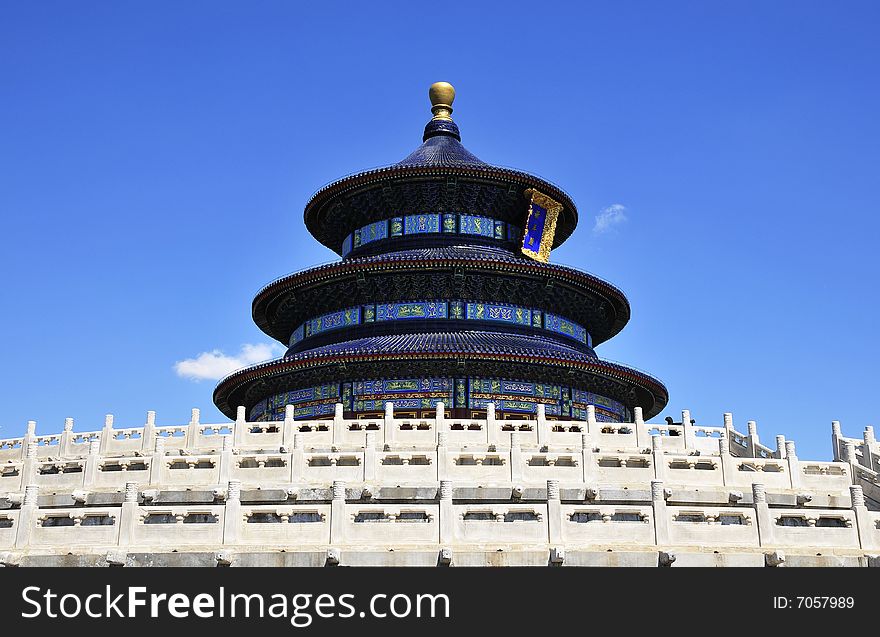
{"points": [[464, 272], [466, 354]]}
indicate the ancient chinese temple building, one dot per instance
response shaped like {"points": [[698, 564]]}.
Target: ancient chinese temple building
{"points": [[444, 293]]}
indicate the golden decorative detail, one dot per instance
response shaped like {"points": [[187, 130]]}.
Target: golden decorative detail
{"points": [[538, 248], [442, 94]]}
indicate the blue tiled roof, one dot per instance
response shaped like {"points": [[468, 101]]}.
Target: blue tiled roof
{"points": [[470, 342], [469, 252], [441, 150]]}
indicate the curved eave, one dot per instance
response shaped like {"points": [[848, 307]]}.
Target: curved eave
{"points": [[328, 272], [650, 386], [319, 204]]}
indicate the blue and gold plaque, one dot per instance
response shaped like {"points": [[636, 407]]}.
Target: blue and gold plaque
{"points": [[540, 226]]}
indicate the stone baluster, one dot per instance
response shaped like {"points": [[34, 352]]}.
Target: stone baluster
{"points": [[27, 516], [543, 426], [554, 513], [129, 514], [338, 427], [864, 521], [780, 447], [388, 425], [658, 457], [850, 457], [67, 436], [149, 433], [728, 464], [690, 436], [442, 455], [660, 512], [439, 419], [232, 516], [762, 515], [643, 438], [753, 440], [289, 427], [870, 444], [592, 427], [588, 460], [106, 439], [192, 430], [794, 465], [297, 459], [338, 520], [90, 469], [30, 435], [835, 440], [227, 460], [517, 463], [157, 464], [447, 514], [371, 458], [241, 427]]}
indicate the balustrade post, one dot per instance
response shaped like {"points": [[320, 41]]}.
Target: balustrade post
{"points": [[241, 426], [149, 433], [590, 468], [442, 455], [864, 522], [849, 456], [337, 513], [794, 465], [30, 436], [492, 421], [643, 438], [157, 468], [447, 514], [728, 467], [226, 460], [29, 470], [753, 440], [592, 425], [658, 457], [543, 426], [90, 470], [192, 430], [690, 436], [129, 514], [554, 513], [338, 433], [762, 515], [517, 463], [835, 440], [27, 516], [297, 460], [106, 435], [780, 447], [660, 513], [66, 440], [232, 514], [371, 458], [870, 443], [288, 428], [439, 420], [388, 426]]}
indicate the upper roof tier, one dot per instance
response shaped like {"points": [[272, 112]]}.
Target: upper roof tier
{"points": [[441, 175]]}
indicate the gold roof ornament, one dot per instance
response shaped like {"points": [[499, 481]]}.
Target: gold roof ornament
{"points": [[442, 94]]}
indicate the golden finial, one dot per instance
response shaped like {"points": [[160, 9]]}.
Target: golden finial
{"points": [[442, 95]]}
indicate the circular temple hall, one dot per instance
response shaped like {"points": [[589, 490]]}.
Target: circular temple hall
{"points": [[444, 293]]}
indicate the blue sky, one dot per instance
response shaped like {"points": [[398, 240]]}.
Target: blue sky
{"points": [[155, 159]]}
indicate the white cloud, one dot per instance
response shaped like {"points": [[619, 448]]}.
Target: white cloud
{"points": [[214, 365], [610, 217]]}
